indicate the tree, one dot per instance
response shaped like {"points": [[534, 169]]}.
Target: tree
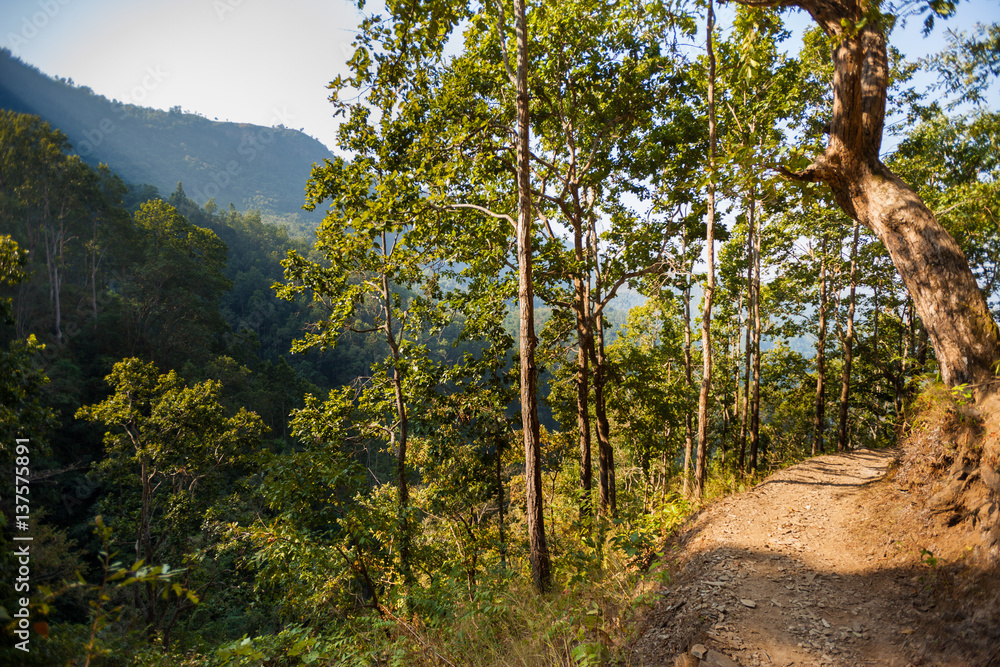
{"points": [[176, 444], [541, 572], [762, 91], [969, 63], [461, 441], [843, 438], [50, 199], [701, 459], [376, 280], [936, 273], [819, 421], [171, 293], [651, 394], [22, 413]]}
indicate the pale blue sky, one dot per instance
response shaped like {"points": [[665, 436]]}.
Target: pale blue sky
{"points": [[257, 61]]}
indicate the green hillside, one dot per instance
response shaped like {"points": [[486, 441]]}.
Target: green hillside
{"points": [[249, 165]]}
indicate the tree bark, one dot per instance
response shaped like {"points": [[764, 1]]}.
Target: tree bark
{"points": [[538, 549], [751, 300], [936, 273], [500, 498], [584, 341], [735, 347], [755, 393], [819, 420], [701, 459], [689, 379], [606, 455], [745, 416], [402, 489], [845, 380], [903, 351]]}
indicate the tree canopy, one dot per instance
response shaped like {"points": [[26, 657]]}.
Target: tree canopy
{"points": [[582, 267]]}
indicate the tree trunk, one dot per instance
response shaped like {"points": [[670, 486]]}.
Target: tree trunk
{"points": [[584, 342], [933, 268], [701, 460], [751, 300], [755, 393], [53, 256], [538, 549], [689, 379], [402, 433], [745, 417], [899, 378], [606, 456], [845, 380], [734, 346], [922, 349], [819, 421], [500, 501]]}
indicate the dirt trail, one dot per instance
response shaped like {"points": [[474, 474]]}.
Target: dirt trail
{"points": [[782, 575]]}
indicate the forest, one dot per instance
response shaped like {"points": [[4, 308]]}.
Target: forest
{"points": [[423, 435]]}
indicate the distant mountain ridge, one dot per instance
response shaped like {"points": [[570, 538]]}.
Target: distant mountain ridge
{"points": [[248, 165]]}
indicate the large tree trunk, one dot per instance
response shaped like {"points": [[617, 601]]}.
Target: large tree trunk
{"points": [[538, 549], [701, 459], [932, 266]]}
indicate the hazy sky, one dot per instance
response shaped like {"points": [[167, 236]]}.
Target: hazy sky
{"points": [[257, 61]]}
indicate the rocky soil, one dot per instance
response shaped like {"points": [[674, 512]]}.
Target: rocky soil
{"points": [[829, 562]]}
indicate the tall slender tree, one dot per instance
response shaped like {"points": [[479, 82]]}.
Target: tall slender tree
{"points": [[848, 345], [541, 572], [701, 459], [819, 417]]}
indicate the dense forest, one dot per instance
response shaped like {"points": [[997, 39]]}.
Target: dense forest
{"points": [[245, 447]]}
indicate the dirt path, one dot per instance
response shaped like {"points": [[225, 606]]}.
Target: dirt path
{"points": [[782, 575]]}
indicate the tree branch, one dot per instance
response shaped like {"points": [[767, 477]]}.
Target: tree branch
{"points": [[476, 207]]}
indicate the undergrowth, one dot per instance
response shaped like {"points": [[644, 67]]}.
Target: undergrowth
{"points": [[599, 588]]}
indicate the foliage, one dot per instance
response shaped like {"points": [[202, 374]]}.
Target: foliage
{"points": [[170, 300], [374, 511], [180, 445]]}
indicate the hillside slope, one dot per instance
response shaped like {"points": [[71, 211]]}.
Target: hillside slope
{"points": [[249, 165], [829, 562]]}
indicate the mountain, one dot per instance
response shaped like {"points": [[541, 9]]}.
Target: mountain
{"points": [[251, 166]]}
